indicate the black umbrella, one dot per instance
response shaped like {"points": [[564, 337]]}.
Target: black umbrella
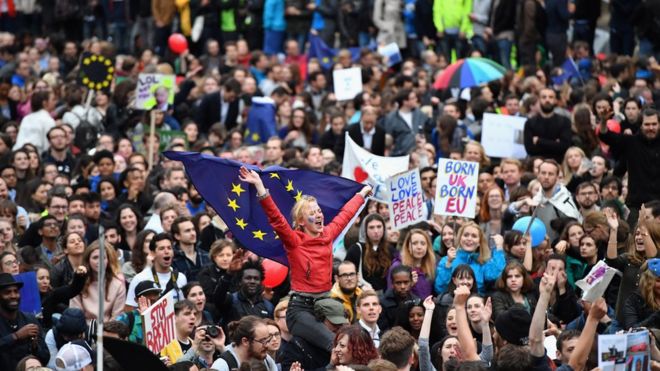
{"points": [[132, 356]]}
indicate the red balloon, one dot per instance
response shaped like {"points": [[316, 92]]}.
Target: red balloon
{"points": [[178, 43], [275, 273]]}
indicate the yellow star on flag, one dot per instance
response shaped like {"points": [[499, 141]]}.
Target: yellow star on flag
{"points": [[241, 223], [236, 188], [289, 185], [298, 195], [258, 234], [255, 137], [274, 175], [232, 204]]}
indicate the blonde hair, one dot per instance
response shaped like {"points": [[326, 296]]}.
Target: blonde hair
{"points": [[484, 250], [568, 173], [428, 261], [298, 209], [646, 286], [636, 257], [484, 161]]}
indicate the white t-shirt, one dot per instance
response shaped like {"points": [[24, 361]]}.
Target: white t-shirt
{"points": [[407, 117], [163, 279]]}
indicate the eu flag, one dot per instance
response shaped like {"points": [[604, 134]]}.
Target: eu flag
{"points": [[569, 71], [261, 123], [236, 202], [325, 54]]}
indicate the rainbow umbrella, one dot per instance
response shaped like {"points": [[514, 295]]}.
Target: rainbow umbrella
{"points": [[469, 72]]}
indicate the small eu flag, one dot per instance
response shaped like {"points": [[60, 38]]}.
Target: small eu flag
{"points": [[236, 202]]}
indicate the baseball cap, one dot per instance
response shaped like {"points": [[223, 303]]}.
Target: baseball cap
{"points": [[74, 356], [332, 310], [146, 287], [654, 266]]}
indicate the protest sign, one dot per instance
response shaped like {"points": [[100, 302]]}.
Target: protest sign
{"points": [[391, 52], [406, 201], [503, 136], [347, 83], [624, 352], [456, 190], [30, 296], [96, 72], [158, 321], [364, 167], [154, 90], [595, 283]]}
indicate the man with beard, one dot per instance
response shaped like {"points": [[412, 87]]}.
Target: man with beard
{"points": [[346, 290], [188, 258], [184, 325], [161, 272], [247, 301], [554, 200], [586, 197], [641, 154], [368, 307], [548, 134], [249, 342], [195, 202], [20, 332]]}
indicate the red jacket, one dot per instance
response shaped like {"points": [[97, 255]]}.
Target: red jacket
{"points": [[309, 254]]}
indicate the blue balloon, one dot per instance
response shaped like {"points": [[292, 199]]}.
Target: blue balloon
{"points": [[537, 231]]}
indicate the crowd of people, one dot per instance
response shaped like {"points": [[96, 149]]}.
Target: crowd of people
{"points": [[449, 293]]}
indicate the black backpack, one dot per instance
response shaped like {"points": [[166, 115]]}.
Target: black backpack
{"points": [[86, 133]]}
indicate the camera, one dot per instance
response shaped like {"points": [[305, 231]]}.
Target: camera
{"points": [[212, 331]]}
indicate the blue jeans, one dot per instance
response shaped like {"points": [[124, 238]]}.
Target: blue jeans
{"points": [[479, 43], [119, 34], [301, 321], [622, 38], [449, 42], [504, 47]]}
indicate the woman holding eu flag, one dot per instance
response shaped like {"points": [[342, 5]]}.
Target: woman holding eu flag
{"points": [[308, 246]]}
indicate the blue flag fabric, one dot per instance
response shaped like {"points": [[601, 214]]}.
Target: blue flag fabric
{"points": [[261, 123], [570, 70], [326, 55], [236, 202], [30, 297]]}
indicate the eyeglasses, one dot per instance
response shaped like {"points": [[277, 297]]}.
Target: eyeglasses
{"points": [[347, 275], [10, 263], [264, 341], [275, 335], [51, 225]]}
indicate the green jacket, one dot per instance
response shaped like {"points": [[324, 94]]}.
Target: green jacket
{"points": [[453, 14]]}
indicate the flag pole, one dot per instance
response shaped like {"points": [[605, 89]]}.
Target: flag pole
{"points": [[100, 282]]}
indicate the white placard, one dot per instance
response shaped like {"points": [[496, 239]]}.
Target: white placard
{"points": [[503, 136], [159, 324], [406, 199], [347, 83], [456, 190]]}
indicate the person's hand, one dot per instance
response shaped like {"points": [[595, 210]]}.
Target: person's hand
{"points": [[415, 277], [486, 312], [21, 221], [645, 214], [311, 6], [451, 255], [598, 309], [612, 219], [547, 283], [366, 191], [249, 176], [200, 334], [81, 270], [535, 139], [295, 366], [292, 135], [461, 295], [498, 240], [143, 304], [28, 331], [551, 329], [219, 341], [560, 247], [627, 132], [236, 262], [429, 304], [562, 279]]}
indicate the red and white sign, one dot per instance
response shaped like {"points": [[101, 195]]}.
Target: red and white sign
{"points": [[158, 322], [406, 199]]}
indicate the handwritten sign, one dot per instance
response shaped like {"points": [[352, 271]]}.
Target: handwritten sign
{"points": [[154, 90], [456, 191], [502, 136], [347, 83], [364, 167], [158, 322], [406, 200], [595, 283]]}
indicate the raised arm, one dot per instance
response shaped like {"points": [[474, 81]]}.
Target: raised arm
{"points": [[424, 352], [468, 345], [536, 336], [529, 258], [581, 352], [613, 222]]}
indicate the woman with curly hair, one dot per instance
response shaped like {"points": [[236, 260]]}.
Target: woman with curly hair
{"points": [[352, 346], [300, 131], [372, 255]]}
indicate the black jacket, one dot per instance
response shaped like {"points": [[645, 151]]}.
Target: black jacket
{"points": [[642, 158], [209, 113], [554, 136], [377, 143], [311, 358], [389, 302], [12, 351]]}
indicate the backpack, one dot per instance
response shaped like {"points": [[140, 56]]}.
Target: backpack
{"points": [[86, 133], [232, 363], [66, 9]]}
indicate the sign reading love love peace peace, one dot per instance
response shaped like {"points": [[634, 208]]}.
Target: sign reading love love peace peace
{"points": [[364, 167], [406, 200], [456, 190]]}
